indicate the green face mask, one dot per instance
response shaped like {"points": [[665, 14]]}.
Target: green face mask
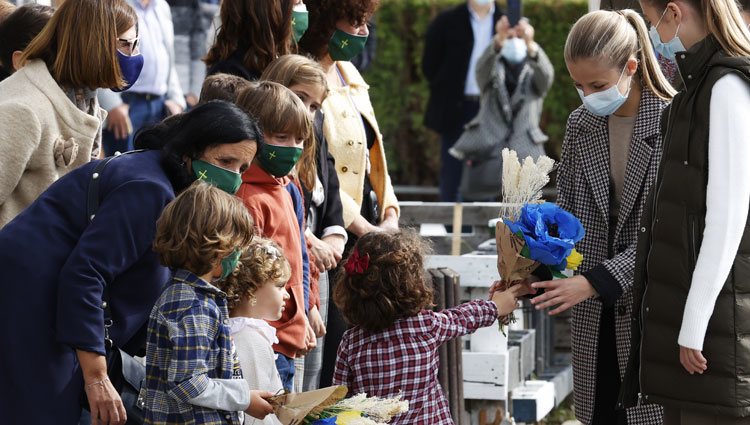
{"points": [[224, 179], [229, 263], [344, 46], [278, 161], [300, 23]]}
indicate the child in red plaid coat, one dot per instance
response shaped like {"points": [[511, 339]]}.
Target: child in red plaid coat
{"points": [[392, 347]]}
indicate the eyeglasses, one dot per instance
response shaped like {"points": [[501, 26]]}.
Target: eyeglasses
{"points": [[128, 47]]}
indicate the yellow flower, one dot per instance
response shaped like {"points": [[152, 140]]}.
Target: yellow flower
{"points": [[344, 418], [574, 260]]}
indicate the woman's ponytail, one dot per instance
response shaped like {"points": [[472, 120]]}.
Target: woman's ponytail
{"points": [[649, 69], [724, 21]]}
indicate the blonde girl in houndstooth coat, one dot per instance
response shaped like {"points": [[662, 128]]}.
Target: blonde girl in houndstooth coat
{"points": [[610, 155]]}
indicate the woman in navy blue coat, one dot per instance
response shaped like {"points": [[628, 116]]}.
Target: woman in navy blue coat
{"points": [[54, 265]]}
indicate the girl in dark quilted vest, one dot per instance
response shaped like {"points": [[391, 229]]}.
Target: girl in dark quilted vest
{"points": [[692, 275], [610, 155]]}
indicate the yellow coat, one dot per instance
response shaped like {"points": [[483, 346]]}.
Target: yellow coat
{"points": [[347, 143]]}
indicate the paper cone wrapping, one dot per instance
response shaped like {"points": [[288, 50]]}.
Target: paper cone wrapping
{"points": [[513, 267], [291, 409]]}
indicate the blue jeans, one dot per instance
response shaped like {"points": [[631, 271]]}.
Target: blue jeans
{"points": [[285, 366], [314, 359], [143, 112], [450, 167]]}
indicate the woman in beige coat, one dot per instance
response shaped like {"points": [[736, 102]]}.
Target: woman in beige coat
{"points": [[50, 120], [351, 129]]}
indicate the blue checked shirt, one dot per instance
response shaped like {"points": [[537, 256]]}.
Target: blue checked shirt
{"points": [[193, 375]]}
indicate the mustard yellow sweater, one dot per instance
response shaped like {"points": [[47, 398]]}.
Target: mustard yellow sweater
{"points": [[347, 143]]}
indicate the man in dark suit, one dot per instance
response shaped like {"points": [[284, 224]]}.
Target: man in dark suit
{"points": [[454, 42]]}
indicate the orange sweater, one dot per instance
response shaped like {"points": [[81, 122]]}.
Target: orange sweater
{"points": [[271, 206]]}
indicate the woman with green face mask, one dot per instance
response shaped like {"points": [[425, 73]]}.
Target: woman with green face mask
{"points": [[79, 250], [354, 139]]}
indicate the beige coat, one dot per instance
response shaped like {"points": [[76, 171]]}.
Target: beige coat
{"points": [[43, 135], [348, 144]]}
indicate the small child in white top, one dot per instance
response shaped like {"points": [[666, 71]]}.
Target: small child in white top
{"points": [[257, 294]]}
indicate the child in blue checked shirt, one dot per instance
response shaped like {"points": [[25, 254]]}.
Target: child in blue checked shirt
{"points": [[392, 348], [193, 374]]}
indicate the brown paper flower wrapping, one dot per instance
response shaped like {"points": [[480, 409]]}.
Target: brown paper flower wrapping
{"points": [[513, 267]]}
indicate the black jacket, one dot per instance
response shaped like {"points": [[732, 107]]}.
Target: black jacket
{"points": [[447, 52], [668, 246], [330, 212], [234, 65]]}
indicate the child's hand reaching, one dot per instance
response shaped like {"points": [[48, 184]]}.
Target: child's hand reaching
{"points": [[528, 282], [259, 406], [507, 301]]}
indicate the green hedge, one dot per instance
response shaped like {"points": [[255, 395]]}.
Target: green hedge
{"points": [[399, 91]]}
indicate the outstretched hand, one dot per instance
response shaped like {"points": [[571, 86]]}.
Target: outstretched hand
{"points": [[507, 301], [563, 293]]}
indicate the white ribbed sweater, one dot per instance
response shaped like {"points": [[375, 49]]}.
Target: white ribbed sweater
{"points": [[727, 203]]}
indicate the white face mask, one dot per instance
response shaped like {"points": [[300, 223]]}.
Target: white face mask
{"points": [[514, 50], [670, 48], [605, 103]]}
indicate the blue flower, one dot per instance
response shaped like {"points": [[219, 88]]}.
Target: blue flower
{"points": [[550, 233]]}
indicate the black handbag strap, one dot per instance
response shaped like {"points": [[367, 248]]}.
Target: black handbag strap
{"points": [[92, 206]]}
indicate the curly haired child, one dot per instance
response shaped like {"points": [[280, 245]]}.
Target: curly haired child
{"points": [[257, 293], [392, 347], [193, 375]]}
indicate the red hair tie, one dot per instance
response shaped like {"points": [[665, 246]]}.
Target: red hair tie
{"points": [[357, 264]]}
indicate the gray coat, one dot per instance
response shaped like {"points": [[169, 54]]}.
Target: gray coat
{"points": [[507, 119], [191, 20]]}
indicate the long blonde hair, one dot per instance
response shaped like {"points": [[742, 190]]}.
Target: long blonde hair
{"points": [[290, 70], [616, 37], [723, 20]]}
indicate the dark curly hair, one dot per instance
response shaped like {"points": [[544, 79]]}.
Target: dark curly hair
{"points": [[262, 263], [323, 15], [392, 286]]}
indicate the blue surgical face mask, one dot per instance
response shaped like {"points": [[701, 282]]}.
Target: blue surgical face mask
{"points": [[131, 67], [605, 103], [670, 48], [514, 50]]}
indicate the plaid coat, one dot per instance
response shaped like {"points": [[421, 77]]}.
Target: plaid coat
{"points": [[188, 346], [583, 184], [403, 359]]}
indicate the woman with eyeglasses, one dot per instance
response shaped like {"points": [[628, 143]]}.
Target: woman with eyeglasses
{"points": [[50, 119]]}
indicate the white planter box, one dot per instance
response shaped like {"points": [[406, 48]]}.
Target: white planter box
{"points": [[533, 400]]}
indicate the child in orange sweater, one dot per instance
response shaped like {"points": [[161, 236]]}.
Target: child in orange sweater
{"points": [[276, 205]]}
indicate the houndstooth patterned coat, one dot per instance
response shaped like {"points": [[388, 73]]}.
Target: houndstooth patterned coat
{"points": [[583, 184]]}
